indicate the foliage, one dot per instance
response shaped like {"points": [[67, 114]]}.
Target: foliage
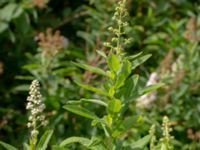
{"points": [[99, 64]]}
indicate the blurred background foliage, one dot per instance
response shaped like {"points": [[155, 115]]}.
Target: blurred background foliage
{"points": [[40, 38]]}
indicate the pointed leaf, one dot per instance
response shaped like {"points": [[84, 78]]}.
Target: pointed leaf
{"points": [[93, 89], [44, 140], [141, 143], [80, 111], [96, 101], [100, 52], [8, 11], [129, 89], [7, 146], [140, 60], [150, 88], [134, 56], [26, 146], [124, 125], [91, 69], [3, 26], [81, 140], [113, 62], [122, 74]]}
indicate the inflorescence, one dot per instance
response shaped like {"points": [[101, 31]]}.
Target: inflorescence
{"points": [[119, 38], [36, 107]]}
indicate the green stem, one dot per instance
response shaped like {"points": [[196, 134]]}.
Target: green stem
{"points": [[119, 34]]}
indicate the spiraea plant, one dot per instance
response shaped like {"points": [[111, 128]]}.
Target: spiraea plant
{"points": [[36, 119], [165, 142], [48, 66], [36, 107], [118, 90]]}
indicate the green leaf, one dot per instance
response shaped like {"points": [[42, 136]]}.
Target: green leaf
{"points": [[122, 74], [129, 89], [31, 66], [108, 120], [93, 89], [101, 53], [141, 143], [91, 69], [11, 36], [22, 23], [80, 111], [22, 87], [113, 62], [140, 60], [96, 101], [124, 125], [134, 56], [7, 146], [81, 140], [8, 11], [57, 147], [114, 106], [63, 71], [44, 140], [17, 12], [26, 146], [3, 26], [150, 88]]}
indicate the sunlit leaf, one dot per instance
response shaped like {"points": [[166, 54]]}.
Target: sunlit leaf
{"points": [[114, 106], [113, 62]]}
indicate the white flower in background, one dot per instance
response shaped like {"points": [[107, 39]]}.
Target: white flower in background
{"points": [[147, 99], [36, 107]]}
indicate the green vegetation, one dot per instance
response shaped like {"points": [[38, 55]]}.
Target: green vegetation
{"points": [[99, 75]]}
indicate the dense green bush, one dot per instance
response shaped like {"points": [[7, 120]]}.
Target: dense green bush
{"points": [[98, 64]]}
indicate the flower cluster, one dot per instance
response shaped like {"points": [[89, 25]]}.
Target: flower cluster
{"points": [[166, 129], [51, 43], [36, 107], [119, 20]]}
